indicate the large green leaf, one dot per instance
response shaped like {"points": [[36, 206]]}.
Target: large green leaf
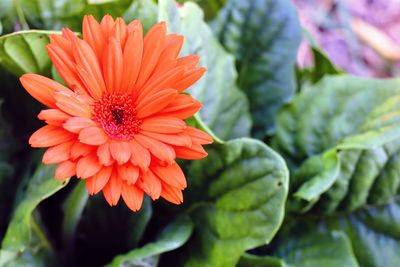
{"points": [[356, 122], [264, 36], [374, 234], [225, 109], [55, 14], [25, 52], [24, 236], [330, 249], [240, 191], [172, 237], [102, 232], [210, 7]]}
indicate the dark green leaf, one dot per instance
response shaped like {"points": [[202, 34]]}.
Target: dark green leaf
{"points": [[23, 233], [241, 190], [25, 52], [172, 237], [225, 109], [359, 118], [248, 260], [264, 36]]}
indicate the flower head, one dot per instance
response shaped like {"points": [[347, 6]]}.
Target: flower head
{"points": [[120, 123]]}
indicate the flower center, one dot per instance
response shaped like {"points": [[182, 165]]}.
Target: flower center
{"points": [[116, 114]]}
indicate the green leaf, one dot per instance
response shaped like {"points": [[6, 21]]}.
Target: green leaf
{"points": [[359, 119], [225, 109], [73, 208], [330, 249], [248, 260], [55, 14], [210, 7], [25, 52], [264, 37], [172, 237], [240, 192], [118, 227], [23, 233], [374, 234]]}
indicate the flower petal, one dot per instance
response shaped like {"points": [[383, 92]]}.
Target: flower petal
{"points": [[50, 135], [65, 170], [182, 107], [80, 150], [53, 116], [198, 136], [179, 139], [171, 174], [160, 150], [150, 184], [163, 125], [77, 124], [42, 88], [172, 194], [120, 151], [113, 65], [196, 151], [93, 136], [87, 166], [93, 35], [104, 155], [155, 102], [132, 196], [69, 103], [190, 78], [97, 182], [57, 153], [112, 190], [140, 155], [128, 173]]}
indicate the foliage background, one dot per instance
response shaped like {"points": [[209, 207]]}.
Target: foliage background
{"points": [[304, 170]]}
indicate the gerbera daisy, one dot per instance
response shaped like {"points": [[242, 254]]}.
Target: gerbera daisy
{"points": [[120, 123]]}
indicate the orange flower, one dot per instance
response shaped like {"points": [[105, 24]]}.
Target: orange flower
{"points": [[120, 124]]}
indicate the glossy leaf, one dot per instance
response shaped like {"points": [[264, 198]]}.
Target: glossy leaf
{"points": [[225, 109], [23, 233], [240, 190], [358, 118], [264, 37], [172, 237], [25, 52]]}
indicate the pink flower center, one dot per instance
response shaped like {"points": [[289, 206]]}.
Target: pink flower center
{"points": [[116, 114]]}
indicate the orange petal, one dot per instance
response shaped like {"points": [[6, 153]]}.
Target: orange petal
{"points": [[97, 182], [87, 61], [65, 170], [104, 155], [155, 102], [198, 136], [163, 125], [172, 47], [172, 194], [152, 48], [189, 61], [128, 172], [120, 151], [42, 88], [77, 124], [150, 184], [132, 56], [182, 107], [140, 155], [160, 150], [112, 190], [179, 139], [93, 136], [50, 136], [120, 31], [80, 150], [53, 116], [70, 104], [87, 166], [57, 153], [107, 24], [92, 34], [132, 196], [65, 67], [171, 174], [190, 78], [61, 42], [196, 151], [113, 65]]}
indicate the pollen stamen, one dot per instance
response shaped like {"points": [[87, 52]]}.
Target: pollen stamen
{"points": [[116, 114]]}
